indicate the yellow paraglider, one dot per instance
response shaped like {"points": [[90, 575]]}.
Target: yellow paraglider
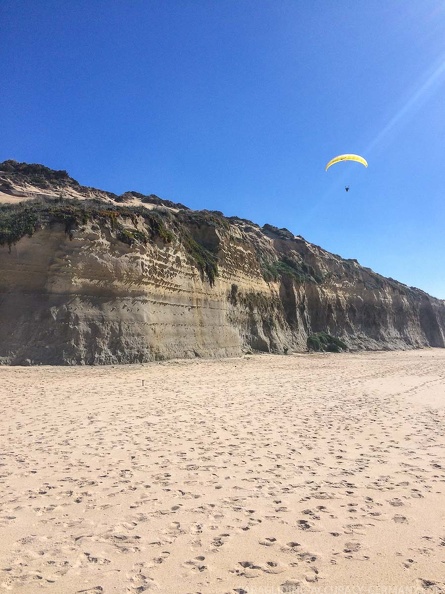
{"points": [[347, 158]]}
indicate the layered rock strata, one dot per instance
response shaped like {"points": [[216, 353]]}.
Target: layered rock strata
{"points": [[88, 277]]}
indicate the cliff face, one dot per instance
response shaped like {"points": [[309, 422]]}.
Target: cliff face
{"points": [[90, 277]]}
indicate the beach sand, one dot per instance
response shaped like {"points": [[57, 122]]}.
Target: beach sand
{"points": [[258, 475]]}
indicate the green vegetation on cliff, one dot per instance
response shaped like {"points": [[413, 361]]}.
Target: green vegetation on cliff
{"points": [[36, 175], [203, 258], [298, 271], [321, 341], [25, 218]]}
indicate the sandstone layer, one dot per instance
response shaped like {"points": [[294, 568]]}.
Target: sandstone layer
{"points": [[89, 277]]}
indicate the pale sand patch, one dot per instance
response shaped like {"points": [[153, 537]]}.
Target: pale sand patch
{"points": [[258, 475]]}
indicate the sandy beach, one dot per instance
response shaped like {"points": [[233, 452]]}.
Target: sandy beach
{"points": [[260, 475]]}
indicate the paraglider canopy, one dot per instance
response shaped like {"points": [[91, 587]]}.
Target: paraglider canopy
{"points": [[348, 157]]}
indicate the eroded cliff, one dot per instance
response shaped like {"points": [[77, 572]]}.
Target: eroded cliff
{"points": [[90, 277]]}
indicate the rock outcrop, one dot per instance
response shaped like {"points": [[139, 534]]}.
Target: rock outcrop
{"points": [[89, 277]]}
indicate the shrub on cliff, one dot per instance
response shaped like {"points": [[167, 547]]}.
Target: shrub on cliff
{"points": [[36, 174], [287, 267], [321, 341], [26, 218], [206, 262], [15, 224]]}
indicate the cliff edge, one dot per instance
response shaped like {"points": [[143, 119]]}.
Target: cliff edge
{"points": [[90, 277]]}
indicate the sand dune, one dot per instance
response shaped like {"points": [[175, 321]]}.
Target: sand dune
{"points": [[259, 475]]}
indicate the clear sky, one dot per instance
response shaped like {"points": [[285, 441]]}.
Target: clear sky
{"points": [[237, 105]]}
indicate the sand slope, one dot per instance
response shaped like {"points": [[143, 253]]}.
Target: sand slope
{"points": [[259, 475]]}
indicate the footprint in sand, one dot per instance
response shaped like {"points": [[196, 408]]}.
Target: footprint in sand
{"points": [[430, 585], [396, 502], [196, 564], [268, 542], [140, 581], [408, 563], [304, 525], [249, 569], [162, 557], [290, 547], [416, 493], [312, 577], [352, 547], [273, 567], [220, 540], [96, 559], [122, 542], [195, 529], [290, 587], [354, 529], [252, 570]]}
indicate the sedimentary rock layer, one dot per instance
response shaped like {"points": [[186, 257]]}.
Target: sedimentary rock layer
{"points": [[88, 277]]}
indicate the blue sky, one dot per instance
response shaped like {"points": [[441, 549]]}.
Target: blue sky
{"points": [[237, 105]]}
